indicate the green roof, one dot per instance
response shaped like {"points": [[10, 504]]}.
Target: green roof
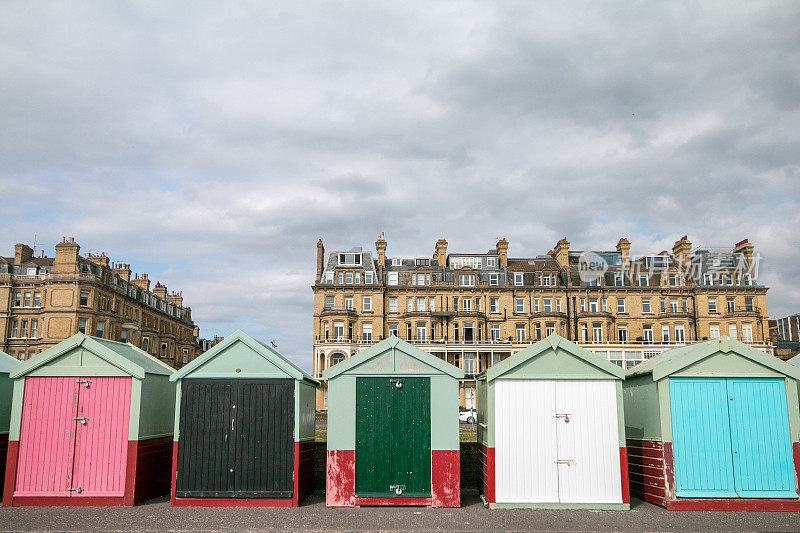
{"points": [[264, 350], [389, 344], [126, 357], [551, 342], [7, 362], [676, 359]]}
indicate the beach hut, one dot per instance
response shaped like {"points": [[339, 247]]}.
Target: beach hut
{"points": [[7, 363], [91, 424], [244, 428], [551, 429], [714, 426], [393, 436]]}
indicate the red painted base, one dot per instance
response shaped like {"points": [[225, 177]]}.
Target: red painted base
{"points": [[487, 472], [652, 475], [623, 466], [146, 472], [341, 480], [732, 504], [303, 484]]}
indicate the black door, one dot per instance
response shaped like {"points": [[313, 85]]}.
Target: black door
{"points": [[236, 438]]}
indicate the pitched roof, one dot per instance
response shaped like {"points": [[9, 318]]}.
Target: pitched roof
{"points": [[126, 357], [551, 342], [388, 344], [264, 350], [673, 360], [7, 362]]}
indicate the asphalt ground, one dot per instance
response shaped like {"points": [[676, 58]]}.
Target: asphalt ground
{"points": [[313, 515]]}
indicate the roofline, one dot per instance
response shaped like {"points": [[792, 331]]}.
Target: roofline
{"points": [[274, 357], [552, 341]]}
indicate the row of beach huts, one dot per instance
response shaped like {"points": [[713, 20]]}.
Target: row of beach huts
{"points": [[712, 425]]}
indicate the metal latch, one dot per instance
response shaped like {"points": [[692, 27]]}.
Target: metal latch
{"points": [[81, 419], [567, 462], [78, 490], [565, 416], [84, 382], [397, 383], [398, 489]]}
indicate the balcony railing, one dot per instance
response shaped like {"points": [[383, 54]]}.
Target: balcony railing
{"points": [[742, 310]]}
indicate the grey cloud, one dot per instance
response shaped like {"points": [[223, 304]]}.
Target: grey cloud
{"points": [[216, 143]]}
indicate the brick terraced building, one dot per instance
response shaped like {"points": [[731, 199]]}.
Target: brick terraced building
{"points": [[475, 309], [44, 300]]}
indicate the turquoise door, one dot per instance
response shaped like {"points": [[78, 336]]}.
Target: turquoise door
{"points": [[762, 458], [701, 438], [731, 438]]}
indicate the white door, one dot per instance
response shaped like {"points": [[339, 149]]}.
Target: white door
{"points": [[525, 442], [556, 442], [588, 442]]}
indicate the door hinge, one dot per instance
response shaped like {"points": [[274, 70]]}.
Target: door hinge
{"points": [[398, 489], [565, 416], [78, 490], [81, 419], [84, 382]]}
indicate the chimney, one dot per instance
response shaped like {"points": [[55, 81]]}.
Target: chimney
{"points": [[682, 251], [380, 246], [143, 282], [123, 270], [502, 251], [440, 253], [176, 298], [160, 290], [745, 248], [22, 253], [624, 248], [66, 260], [320, 259], [100, 259], [561, 252]]}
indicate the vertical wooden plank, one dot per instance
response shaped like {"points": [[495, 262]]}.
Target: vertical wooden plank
{"points": [[411, 452], [46, 437], [760, 438]]}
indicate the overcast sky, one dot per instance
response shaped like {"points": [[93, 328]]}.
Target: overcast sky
{"points": [[211, 144]]}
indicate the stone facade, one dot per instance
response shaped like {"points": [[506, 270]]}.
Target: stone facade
{"points": [[475, 309], [44, 300]]}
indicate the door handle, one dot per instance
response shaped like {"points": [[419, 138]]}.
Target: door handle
{"points": [[81, 419], [567, 462], [233, 424], [565, 416], [84, 382], [78, 490]]}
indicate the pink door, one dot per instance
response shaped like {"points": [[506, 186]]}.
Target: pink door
{"points": [[46, 437], [101, 437], [73, 437]]}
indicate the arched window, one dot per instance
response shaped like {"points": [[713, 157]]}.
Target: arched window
{"points": [[337, 358]]}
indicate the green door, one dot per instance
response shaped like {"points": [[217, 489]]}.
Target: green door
{"points": [[393, 437]]}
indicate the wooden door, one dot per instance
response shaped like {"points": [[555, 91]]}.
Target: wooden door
{"points": [[236, 439], [393, 437]]}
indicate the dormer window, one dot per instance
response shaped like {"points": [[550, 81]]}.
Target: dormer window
{"points": [[518, 279], [368, 278], [423, 262], [329, 278], [491, 261], [350, 259], [396, 262]]}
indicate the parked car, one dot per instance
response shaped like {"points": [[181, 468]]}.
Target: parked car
{"points": [[467, 415]]}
